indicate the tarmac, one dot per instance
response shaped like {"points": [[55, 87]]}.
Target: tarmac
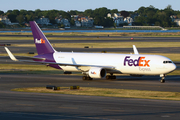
{"points": [[45, 106]]}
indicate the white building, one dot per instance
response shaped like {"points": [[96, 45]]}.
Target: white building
{"points": [[109, 15], [119, 20], [5, 20], [116, 15], [128, 20], [87, 22], [77, 23], [61, 20], [177, 21], [43, 21]]}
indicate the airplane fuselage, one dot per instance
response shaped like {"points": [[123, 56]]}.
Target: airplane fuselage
{"points": [[124, 63]]}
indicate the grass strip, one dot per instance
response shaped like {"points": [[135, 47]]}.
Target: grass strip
{"points": [[66, 38], [90, 91], [110, 45], [137, 34]]}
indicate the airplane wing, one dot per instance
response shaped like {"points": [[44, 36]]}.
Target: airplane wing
{"points": [[53, 63]]}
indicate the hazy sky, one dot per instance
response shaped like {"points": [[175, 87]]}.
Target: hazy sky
{"points": [[81, 5]]}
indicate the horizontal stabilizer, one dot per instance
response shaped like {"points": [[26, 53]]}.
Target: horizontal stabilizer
{"points": [[17, 58], [10, 54]]}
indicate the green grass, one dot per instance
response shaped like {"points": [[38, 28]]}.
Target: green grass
{"points": [[64, 38], [143, 94], [105, 34], [110, 45], [24, 67]]}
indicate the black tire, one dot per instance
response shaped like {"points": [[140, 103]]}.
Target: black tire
{"points": [[84, 78], [162, 81], [113, 77], [107, 77], [89, 78]]}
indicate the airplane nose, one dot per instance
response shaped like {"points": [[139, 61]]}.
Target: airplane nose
{"points": [[173, 67]]}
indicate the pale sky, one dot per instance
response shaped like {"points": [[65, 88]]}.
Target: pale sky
{"points": [[81, 5]]}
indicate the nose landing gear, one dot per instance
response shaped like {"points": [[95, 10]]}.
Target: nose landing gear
{"points": [[162, 78]]}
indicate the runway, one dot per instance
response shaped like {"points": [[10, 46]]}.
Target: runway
{"points": [[46, 106]]}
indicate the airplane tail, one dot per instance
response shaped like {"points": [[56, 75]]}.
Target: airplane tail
{"points": [[42, 44]]}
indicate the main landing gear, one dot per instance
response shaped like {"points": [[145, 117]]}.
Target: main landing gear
{"points": [[87, 78], [110, 76], [162, 78]]}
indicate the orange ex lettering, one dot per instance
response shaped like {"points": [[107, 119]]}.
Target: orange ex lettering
{"points": [[42, 41]]}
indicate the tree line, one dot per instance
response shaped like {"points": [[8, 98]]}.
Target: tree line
{"points": [[146, 16]]}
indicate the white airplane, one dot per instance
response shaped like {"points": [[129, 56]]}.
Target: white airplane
{"points": [[97, 65]]}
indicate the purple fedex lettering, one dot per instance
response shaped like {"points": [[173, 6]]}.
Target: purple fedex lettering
{"points": [[131, 62], [136, 62]]}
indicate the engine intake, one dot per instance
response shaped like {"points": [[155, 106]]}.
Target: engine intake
{"points": [[96, 72]]}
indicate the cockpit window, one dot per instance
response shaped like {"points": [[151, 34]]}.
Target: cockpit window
{"points": [[167, 62]]}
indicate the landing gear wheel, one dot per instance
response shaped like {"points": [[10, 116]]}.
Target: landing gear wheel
{"points": [[86, 78], [163, 78], [110, 77], [107, 77], [162, 81]]}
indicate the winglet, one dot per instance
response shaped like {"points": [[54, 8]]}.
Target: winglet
{"points": [[135, 50], [10, 54]]}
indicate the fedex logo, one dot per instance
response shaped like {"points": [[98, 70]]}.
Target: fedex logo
{"points": [[41, 41], [93, 72], [136, 62]]}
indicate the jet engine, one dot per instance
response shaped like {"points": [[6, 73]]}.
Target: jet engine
{"points": [[97, 72]]}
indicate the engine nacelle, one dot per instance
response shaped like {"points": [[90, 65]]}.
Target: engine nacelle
{"points": [[97, 72]]}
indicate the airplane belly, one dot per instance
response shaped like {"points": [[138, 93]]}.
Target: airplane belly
{"points": [[70, 68]]}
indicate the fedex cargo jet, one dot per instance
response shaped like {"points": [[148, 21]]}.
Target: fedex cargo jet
{"points": [[97, 65]]}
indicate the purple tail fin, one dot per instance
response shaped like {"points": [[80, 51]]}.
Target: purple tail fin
{"points": [[42, 44]]}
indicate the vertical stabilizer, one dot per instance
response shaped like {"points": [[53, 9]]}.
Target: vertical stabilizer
{"points": [[42, 44]]}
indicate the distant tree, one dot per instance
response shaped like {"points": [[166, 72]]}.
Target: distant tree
{"points": [[102, 12], [109, 22], [52, 19], [141, 10], [23, 12], [178, 15], [15, 12], [114, 11], [12, 17], [38, 13], [20, 19], [169, 7], [88, 12], [9, 11], [1, 12], [98, 20], [66, 15], [2, 25], [62, 26], [72, 22], [29, 18], [72, 12]]}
